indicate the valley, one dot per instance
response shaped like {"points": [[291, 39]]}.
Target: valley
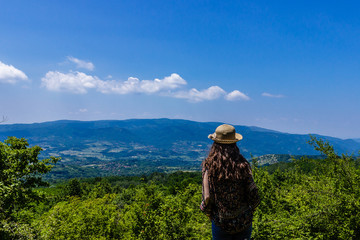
{"points": [[141, 146]]}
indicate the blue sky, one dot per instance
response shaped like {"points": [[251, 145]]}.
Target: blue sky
{"points": [[291, 66]]}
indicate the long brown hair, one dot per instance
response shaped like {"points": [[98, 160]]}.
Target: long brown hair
{"points": [[225, 162]]}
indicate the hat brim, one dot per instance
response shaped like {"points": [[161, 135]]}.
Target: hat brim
{"points": [[238, 137]]}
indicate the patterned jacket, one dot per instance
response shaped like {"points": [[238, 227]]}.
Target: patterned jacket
{"points": [[233, 206]]}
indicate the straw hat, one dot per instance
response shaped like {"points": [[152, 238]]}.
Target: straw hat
{"points": [[225, 134]]}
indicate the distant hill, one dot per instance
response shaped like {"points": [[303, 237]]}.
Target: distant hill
{"points": [[114, 144], [110, 139]]}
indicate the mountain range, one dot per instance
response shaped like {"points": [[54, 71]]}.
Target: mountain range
{"points": [[161, 142]]}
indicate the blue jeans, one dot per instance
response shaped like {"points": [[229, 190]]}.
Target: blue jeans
{"points": [[219, 234]]}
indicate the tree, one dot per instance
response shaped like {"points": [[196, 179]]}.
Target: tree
{"points": [[82, 219], [73, 188], [20, 172]]}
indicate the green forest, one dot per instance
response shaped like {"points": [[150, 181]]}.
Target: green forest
{"points": [[303, 199]]}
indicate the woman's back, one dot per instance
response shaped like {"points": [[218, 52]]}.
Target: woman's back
{"points": [[230, 195], [233, 203]]}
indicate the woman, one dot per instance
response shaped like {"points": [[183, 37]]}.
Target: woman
{"points": [[230, 195]]}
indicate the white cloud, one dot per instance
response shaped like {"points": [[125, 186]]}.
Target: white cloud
{"points": [[83, 110], [265, 94], [81, 63], [134, 85], [80, 83], [10, 74], [236, 95], [76, 82], [112, 86], [194, 95], [171, 82]]}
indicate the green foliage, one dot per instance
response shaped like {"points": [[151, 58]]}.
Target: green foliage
{"points": [[311, 199], [18, 231], [81, 219], [148, 213], [100, 189], [20, 170], [306, 198], [73, 188]]}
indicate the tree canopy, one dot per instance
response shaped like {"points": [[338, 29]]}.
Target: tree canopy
{"points": [[303, 199], [20, 173]]}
